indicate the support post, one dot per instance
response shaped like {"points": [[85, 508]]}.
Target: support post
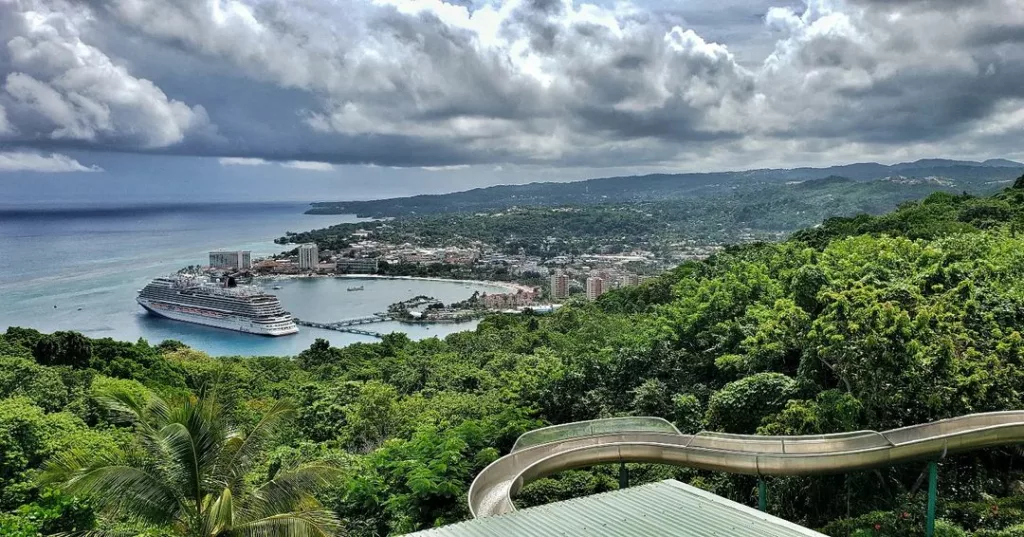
{"points": [[623, 476], [762, 495], [933, 485]]}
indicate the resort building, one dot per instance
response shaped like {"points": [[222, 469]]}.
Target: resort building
{"points": [[356, 265], [559, 285], [309, 256], [595, 287], [238, 260]]}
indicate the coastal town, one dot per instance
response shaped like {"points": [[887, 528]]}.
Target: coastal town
{"points": [[523, 282]]}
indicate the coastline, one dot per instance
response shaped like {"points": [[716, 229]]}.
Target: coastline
{"points": [[508, 287]]}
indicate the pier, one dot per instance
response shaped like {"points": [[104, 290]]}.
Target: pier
{"points": [[348, 325]]}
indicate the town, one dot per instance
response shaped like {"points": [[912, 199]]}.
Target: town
{"points": [[529, 282]]}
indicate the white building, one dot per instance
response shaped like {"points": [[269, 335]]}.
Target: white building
{"points": [[223, 259], [595, 287], [357, 265], [309, 256], [630, 280], [559, 285]]}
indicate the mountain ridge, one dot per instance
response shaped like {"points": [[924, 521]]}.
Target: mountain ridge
{"points": [[969, 175]]}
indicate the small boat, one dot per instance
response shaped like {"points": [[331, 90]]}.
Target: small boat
{"points": [[276, 287], [79, 309], [360, 288]]}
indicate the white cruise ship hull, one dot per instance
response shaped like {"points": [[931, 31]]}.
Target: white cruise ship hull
{"points": [[217, 320]]}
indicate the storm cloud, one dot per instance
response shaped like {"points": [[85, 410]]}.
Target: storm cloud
{"points": [[436, 84]]}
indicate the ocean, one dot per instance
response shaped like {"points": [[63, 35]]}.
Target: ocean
{"points": [[79, 268]]}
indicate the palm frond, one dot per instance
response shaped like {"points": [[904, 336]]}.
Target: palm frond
{"points": [[126, 491], [104, 532], [178, 444], [135, 409], [219, 514], [188, 473], [241, 451], [313, 523], [289, 491]]}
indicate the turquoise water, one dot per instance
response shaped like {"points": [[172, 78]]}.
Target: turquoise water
{"points": [[90, 263]]}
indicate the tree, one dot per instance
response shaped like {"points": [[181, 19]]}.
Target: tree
{"points": [[319, 354], [63, 348], [374, 416], [188, 475], [740, 406], [831, 411], [651, 399], [686, 413]]}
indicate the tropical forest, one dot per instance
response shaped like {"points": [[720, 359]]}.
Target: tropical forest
{"points": [[862, 322]]}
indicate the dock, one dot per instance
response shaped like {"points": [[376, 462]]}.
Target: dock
{"points": [[348, 325]]}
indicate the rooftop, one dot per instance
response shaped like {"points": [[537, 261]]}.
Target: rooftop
{"points": [[668, 508]]}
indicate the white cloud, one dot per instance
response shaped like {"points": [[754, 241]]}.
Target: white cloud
{"points": [[445, 168], [61, 88], [15, 161], [308, 165], [305, 165], [241, 161]]}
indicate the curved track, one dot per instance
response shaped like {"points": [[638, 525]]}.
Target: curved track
{"points": [[616, 440]]}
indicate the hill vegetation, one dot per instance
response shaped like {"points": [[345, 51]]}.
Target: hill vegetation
{"points": [[975, 177], [753, 211], [866, 322]]}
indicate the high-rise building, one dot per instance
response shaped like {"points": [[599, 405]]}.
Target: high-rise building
{"points": [[223, 259], [309, 256], [595, 287], [559, 285], [630, 279]]}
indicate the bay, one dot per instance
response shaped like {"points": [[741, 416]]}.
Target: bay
{"points": [[89, 262]]}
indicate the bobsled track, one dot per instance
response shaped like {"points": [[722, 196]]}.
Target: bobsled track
{"points": [[653, 440]]}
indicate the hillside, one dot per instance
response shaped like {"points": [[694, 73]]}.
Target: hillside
{"points": [[975, 177], [754, 212], [870, 322]]}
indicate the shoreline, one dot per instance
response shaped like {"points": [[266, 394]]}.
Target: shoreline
{"points": [[508, 287]]}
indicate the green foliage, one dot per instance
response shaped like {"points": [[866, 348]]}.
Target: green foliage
{"points": [[63, 348], [567, 485], [29, 436], [831, 411], [687, 414], [44, 386], [53, 512], [188, 473], [413, 484], [740, 406], [560, 224], [861, 323]]}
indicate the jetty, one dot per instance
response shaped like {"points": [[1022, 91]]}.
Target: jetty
{"points": [[349, 325]]}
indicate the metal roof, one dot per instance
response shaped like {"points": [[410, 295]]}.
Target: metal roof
{"points": [[668, 508]]}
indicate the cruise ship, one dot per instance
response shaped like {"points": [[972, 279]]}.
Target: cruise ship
{"points": [[229, 306]]}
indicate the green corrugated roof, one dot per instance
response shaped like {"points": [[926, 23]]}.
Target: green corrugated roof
{"points": [[668, 508]]}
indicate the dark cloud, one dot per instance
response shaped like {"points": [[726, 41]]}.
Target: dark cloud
{"points": [[551, 82]]}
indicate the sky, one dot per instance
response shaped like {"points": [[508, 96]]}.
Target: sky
{"points": [[357, 99]]}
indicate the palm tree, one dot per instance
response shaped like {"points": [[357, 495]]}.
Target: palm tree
{"points": [[187, 476]]}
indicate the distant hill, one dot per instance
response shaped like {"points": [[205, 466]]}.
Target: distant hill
{"points": [[970, 176], [1002, 163]]}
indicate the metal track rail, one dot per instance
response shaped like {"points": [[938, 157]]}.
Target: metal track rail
{"points": [[493, 489]]}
